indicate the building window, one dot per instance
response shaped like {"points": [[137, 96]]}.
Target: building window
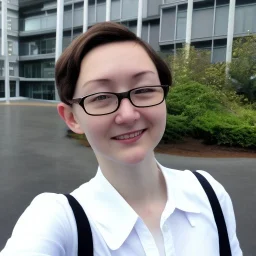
{"points": [[38, 90], [115, 10], [245, 19], [129, 9], [202, 23], [37, 69], [168, 24], [221, 21], [2, 90], [181, 25], [12, 89], [36, 47]]}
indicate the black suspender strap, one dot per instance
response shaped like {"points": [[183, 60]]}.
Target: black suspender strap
{"points": [[224, 245], [84, 233]]}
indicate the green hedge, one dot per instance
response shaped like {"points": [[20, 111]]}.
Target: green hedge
{"points": [[206, 113], [224, 129], [176, 128], [192, 99]]}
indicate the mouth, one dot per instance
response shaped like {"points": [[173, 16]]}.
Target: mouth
{"points": [[129, 136]]}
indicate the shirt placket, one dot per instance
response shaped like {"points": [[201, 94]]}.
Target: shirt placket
{"points": [[146, 239], [167, 233], [168, 240]]}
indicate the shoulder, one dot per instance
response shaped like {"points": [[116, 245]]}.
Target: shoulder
{"points": [[186, 180], [189, 188], [44, 227], [218, 188], [48, 205], [186, 186]]}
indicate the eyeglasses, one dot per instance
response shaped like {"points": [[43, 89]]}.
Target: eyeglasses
{"points": [[104, 103]]}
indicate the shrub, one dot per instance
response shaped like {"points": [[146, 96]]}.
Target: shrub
{"points": [[176, 128], [196, 67], [192, 99], [224, 129], [207, 113], [243, 67]]}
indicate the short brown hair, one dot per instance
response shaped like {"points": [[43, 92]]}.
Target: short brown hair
{"points": [[67, 68]]}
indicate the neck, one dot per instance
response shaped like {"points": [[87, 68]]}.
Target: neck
{"points": [[139, 184]]}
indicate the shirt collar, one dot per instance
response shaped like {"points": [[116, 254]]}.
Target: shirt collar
{"points": [[115, 218], [112, 215], [180, 189]]}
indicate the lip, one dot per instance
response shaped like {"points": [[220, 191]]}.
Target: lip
{"points": [[128, 133], [130, 140]]}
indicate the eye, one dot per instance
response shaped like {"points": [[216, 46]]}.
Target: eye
{"points": [[144, 90], [101, 97]]}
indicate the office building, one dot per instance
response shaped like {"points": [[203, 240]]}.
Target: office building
{"points": [[166, 25]]}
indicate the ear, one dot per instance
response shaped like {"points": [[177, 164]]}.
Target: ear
{"points": [[67, 115]]}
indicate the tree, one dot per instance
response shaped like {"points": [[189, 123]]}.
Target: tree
{"points": [[242, 70], [196, 67]]}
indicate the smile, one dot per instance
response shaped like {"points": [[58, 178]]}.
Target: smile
{"points": [[129, 136]]}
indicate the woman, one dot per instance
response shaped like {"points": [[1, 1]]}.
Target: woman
{"points": [[112, 87]]}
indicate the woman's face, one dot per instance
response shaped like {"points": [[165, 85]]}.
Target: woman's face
{"points": [[119, 67]]}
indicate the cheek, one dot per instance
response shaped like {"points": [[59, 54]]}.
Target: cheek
{"points": [[158, 116], [94, 130]]}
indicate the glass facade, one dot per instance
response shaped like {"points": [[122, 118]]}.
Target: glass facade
{"points": [[101, 12], [38, 23], [12, 89], [40, 46], [168, 24], [129, 9], [37, 69], [181, 25], [245, 19], [219, 54], [221, 20], [37, 90], [205, 17], [115, 10], [13, 68]]}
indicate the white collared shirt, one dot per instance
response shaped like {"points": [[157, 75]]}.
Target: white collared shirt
{"points": [[48, 227]]}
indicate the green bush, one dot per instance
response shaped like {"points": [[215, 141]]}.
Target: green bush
{"points": [[224, 129], [176, 128], [192, 99], [242, 69], [207, 113]]}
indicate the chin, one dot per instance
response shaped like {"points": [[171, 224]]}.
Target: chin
{"points": [[132, 158]]}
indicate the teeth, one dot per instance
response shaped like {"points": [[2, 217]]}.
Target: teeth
{"points": [[128, 136]]}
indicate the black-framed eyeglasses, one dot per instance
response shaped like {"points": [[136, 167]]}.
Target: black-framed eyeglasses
{"points": [[104, 103]]}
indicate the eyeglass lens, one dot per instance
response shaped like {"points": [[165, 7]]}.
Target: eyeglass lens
{"points": [[103, 103]]}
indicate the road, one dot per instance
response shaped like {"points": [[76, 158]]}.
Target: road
{"points": [[36, 157]]}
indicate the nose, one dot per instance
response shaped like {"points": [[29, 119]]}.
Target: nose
{"points": [[127, 113]]}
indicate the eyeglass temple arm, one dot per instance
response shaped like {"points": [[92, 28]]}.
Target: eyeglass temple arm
{"points": [[73, 101]]}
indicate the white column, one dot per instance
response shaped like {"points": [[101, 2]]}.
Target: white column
{"points": [[108, 10], [231, 22], [139, 20], [17, 88], [85, 20], [189, 24], [59, 35], [4, 51]]}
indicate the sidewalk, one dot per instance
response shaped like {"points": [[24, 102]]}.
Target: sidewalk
{"points": [[25, 102]]}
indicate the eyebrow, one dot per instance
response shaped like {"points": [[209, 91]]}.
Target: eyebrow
{"points": [[105, 80]]}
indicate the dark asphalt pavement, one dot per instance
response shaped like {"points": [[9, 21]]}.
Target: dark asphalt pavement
{"points": [[36, 157]]}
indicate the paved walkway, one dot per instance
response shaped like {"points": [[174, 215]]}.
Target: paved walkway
{"points": [[36, 157]]}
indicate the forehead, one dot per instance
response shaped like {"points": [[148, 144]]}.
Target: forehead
{"points": [[114, 57]]}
